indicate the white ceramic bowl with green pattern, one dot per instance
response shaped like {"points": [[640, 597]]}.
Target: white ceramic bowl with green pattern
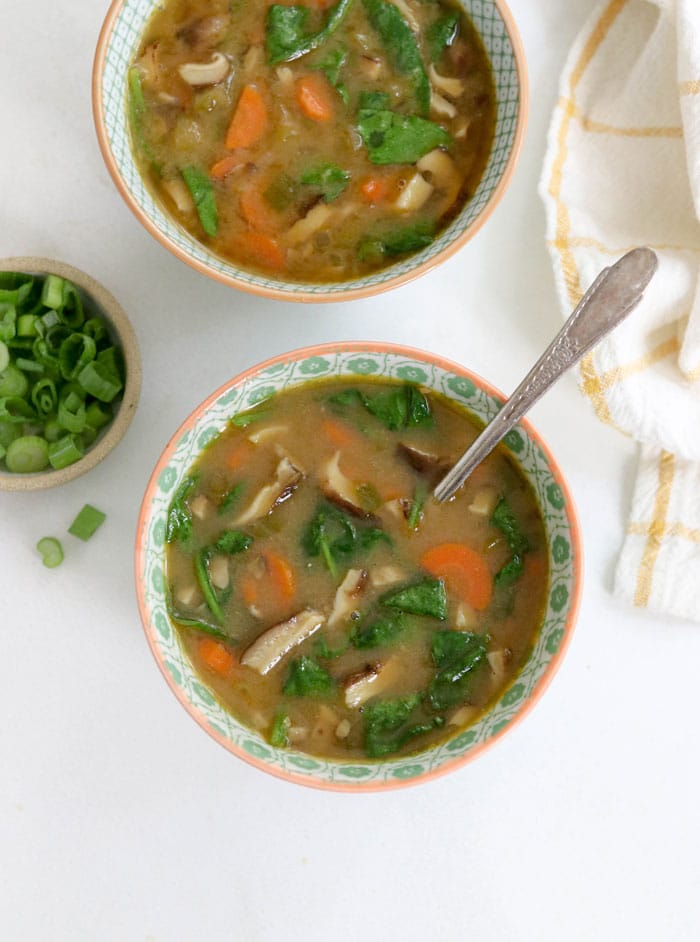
{"points": [[116, 49], [353, 360]]}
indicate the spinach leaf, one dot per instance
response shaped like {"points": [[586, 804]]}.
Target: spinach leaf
{"points": [[419, 494], [392, 138], [504, 519], [244, 419], [330, 534], [198, 624], [202, 190], [334, 536], [233, 541], [402, 47], [201, 571], [326, 653], [231, 498], [456, 655], [401, 407], [379, 632], [396, 241], [441, 34], [306, 678], [330, 179], [179, 522], [387, 727], [287, 38], [278, 732], [369, 499], [427, 597], [137, 109], [374, 101], [331, 64]]}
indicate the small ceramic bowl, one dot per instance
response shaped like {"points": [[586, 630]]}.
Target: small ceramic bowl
{"points": [[105, 306], [116, 48], [357, 360]]}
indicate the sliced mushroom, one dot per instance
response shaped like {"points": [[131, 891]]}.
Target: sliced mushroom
{"points": [[304, 228], [205, 30], [462, 716], [272, 645], [441, 106], [177, 190], [218, 572], [342, 730], [253, 58], [415, 194], [347, 594], [407, 14], [285, 75], [423, 461], [265, 434], [466, 617], [452, 87], [498, 662], [187, 594], [205, 73], [374, 679], [339, 489], [484, 501], [400, 508], [371, 67], [386, 575], [443, 175], [201, 507], [287, 479]]}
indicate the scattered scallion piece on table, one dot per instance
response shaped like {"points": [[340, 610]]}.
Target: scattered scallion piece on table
{"points": [[51, 551], [87, 521]]}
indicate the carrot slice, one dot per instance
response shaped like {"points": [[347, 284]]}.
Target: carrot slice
{"points": [[249, 120], [337, 434], [282, 575], [464, 570], [314, 97], [223, 167], [216, 656], [260, 248], [374, 189], [257, 211]]}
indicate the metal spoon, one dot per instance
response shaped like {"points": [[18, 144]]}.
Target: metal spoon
{"points": [[612, 296]]}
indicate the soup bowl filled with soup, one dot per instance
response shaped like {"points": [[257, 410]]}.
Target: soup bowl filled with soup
{"points": [[314, 151], [314, 608]]}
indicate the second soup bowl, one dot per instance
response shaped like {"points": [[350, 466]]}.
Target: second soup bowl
{"points": [[117, 47]]}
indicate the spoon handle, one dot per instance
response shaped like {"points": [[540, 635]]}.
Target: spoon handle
{"points": [[613, 295]]}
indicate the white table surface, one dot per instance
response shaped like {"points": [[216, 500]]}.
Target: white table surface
{"points": [[119, 818]]}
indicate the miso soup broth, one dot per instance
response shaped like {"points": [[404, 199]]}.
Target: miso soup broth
{"points": [[314, 141], [322, 594]]}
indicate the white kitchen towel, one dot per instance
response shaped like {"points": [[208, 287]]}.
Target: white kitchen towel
{"points": [[622, 170]]}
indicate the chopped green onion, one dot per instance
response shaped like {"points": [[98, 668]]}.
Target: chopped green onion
{"points": [[27, 325], [8, 321], [27, 454], [98, 415], [16, 409], [93, 327], [51, 551], [419, 496], [8, 432], [99, 382], [87, 521], [52, 293], [49, 320], [53, 430], [4, 356], [13, 382], [71, 410], [72, 306], [29, 366], [44, 396], [65, 451], [76, 352]]}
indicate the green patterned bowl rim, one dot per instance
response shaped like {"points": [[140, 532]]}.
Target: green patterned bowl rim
{"points": [[116, 47], [357, 359]]}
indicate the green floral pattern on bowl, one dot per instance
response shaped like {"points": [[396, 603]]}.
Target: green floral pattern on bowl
{"points": [[121, 47], [290, 371]]}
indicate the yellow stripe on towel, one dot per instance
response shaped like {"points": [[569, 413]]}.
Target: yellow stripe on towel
{"points": [[656, 530]]}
